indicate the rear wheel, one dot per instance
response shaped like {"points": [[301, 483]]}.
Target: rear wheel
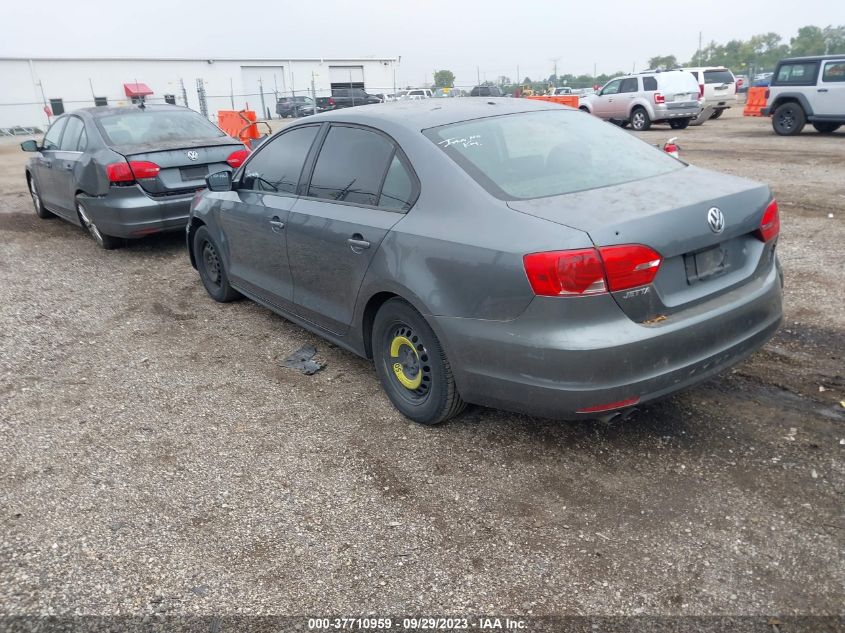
{"points": [[412, 366], [106, 242], [822, 127], [640, 120], [679, 124], [717, 113], [40, 210], [788, 119], [211, 268]]}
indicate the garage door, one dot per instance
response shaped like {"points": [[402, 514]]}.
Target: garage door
{"points": [[346, 76], [269, 80]]}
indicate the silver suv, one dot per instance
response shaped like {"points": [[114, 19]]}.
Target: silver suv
{"points": [[645, 98], [807, 89]]}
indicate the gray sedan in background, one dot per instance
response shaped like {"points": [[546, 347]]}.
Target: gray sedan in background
{"points": [[126, 172], [502, 252]]}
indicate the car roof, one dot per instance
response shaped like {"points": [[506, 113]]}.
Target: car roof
{"points": [[420, 115], [691, 68], [101, 111], [814, 58]]}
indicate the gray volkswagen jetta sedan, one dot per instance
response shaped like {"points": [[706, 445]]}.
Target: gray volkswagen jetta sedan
{"points": [[126, 172], [502, 252]]}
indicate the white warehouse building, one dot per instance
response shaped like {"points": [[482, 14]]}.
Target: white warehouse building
{"points": [[32, 87]]}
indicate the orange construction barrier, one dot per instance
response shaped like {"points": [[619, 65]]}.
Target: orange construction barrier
{"points": [[239, 124], [755, 102], [568, 100]]}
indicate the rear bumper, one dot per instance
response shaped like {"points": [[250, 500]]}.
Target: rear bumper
{"points": [[663, 113], [566, 354], [130, 213]]}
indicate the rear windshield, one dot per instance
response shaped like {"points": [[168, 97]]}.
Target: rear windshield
{"points": [[677, 82], [151, 126], [718, 77], [548, 153]]}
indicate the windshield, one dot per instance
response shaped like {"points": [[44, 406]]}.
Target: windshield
{"points": [[548, 153], [155, 126]]}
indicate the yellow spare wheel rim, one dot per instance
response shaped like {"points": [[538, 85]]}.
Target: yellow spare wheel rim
{"points": [[406, 362]]}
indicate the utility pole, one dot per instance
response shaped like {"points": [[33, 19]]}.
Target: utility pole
{"points": [[232, 93], [699, 50], [554, 61], [477, 76], [261, 90], [518, 78], [595, 76], [313, 92]]}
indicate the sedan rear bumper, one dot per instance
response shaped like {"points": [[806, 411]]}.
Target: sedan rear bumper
{"points": [[129, 212], [567, 354]]}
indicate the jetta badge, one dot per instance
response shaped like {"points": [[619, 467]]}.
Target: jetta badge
{"points": [[195, 155], [716, 220]]}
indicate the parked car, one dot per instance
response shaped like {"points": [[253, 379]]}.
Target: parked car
{"points": [[346, 98], [296, 106], [561, 90], [514, 254], [126, 172], [646, 98], [417, 93], [717, 88], [486, 91], [742, 83], [807, 89]]}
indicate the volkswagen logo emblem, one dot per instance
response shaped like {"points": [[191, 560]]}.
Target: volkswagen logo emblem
{"points": [[716, 220], [195, 155]]}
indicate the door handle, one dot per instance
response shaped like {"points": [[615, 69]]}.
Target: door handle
{"points": [[822, 89], [276, 223], [68, 166], [357, 243]]}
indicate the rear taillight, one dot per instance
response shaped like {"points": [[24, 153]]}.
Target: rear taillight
{"points": [[629, 265], [127, 172], [590, 271], [331, 101], [770, 224], [659, 98], [700, 91], [237, 158]]}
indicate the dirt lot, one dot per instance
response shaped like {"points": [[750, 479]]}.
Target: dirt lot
{"points": [[155, 457]]}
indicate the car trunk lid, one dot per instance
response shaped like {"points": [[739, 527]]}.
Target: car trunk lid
{"points": [[669, 213], [184, 163]]}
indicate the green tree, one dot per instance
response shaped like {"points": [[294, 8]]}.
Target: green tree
{"points": [[809, 41], [444, 78], [834, 38], [665, 61]]}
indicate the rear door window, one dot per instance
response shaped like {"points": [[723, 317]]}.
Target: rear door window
{"points": [[351, 166], [54, 135], [718, 77], [277, 166], [797, 74], [397, 193], [73, 132], [629, 85], [834, 71]]}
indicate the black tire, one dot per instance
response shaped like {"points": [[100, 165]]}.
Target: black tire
{"points": [[584, 109], [40, 209], [405, 348], [640, 121], [788, 119], [106, 242], [679, 124], [823, 127], [717, 113], [624, 124], [211, 268]]}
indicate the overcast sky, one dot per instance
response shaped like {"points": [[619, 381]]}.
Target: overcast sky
{"points": [[496, 36]]}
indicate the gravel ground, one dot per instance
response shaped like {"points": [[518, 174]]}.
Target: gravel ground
{"points": [[155, 456]]}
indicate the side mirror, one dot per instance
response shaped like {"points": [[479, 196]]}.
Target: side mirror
{"points": [[30, 146], [219, 181]]}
